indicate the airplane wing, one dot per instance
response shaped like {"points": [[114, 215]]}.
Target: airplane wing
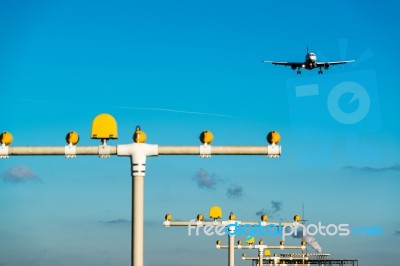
{"points": [[321, 64], [296, 64]]}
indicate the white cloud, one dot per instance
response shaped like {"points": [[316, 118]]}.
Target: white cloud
{"points": [[19, 173]]}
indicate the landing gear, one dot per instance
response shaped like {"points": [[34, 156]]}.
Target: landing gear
{"points": [[320, 71], [298, 71]]}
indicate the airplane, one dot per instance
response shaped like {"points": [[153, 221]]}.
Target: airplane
{"points": [[309, 63]]}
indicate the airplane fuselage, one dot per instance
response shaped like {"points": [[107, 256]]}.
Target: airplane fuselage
{"points": [[310, 62]]}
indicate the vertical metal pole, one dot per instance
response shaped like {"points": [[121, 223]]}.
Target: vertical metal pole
{"points": [[231, 250], [137, 220], [138, 153], [260, 257], [138, 162]]}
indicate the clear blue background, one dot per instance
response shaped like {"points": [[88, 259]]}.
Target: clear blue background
{"points": [[177, 68]]}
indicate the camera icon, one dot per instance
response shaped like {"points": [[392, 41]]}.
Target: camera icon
{"points": [[332, 111]]}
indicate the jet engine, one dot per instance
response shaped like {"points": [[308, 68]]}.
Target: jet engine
{"points": [[326, 65], [293, 67]]}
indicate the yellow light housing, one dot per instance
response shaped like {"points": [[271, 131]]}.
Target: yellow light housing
{"points": [[168, 217], [139, 136], [216, 212], [104, 126], [250, 241], [72, 138], [200, 217], [206, 137], [273, 137], [264, 218], [6, 138]]}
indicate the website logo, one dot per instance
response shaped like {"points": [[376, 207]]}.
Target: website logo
{"points": [[296, 229]]}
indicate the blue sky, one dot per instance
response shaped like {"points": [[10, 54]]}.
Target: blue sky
{"points": [[177, 68]]}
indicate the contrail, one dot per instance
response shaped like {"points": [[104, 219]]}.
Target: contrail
{"points": [[124, 107], [170, 110]]}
